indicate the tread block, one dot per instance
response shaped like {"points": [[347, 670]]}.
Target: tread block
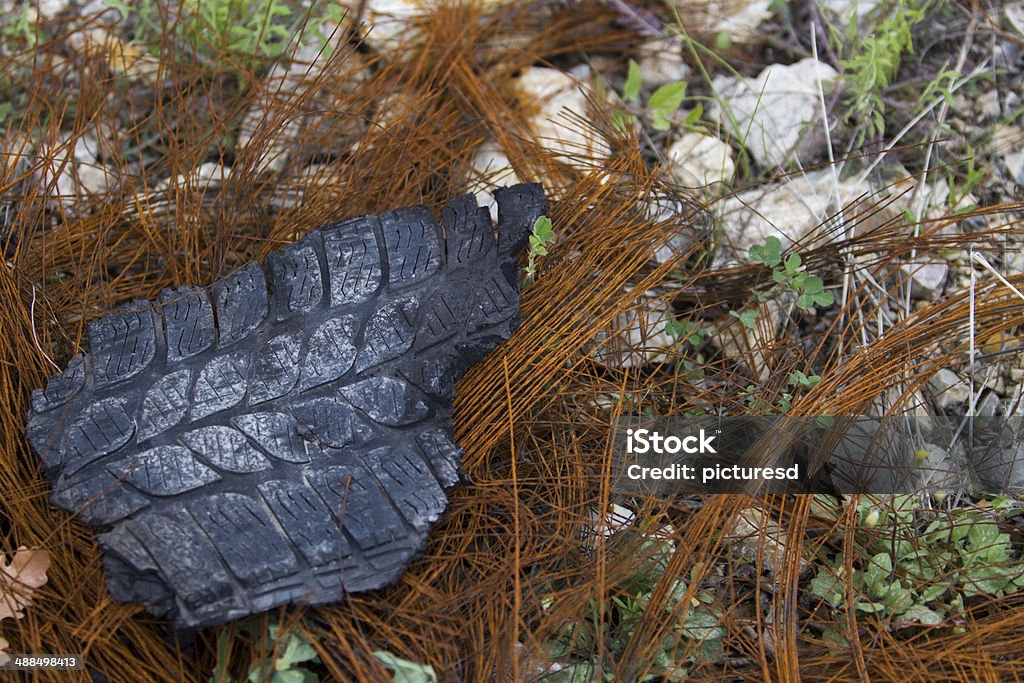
{"points": [[244, 535], [306, 519], [97, 497], [434, 375], [163, 471], [443, 318], [470, 236], [99, 430], [277, 434], [497, 301], [409, 483], [188, 315], [353, 259], [164, 405], [44, 431], [60, 388], [241, 303], [226, 449], [443, 454], [359, 506], [189, 563], [332, 422], [277, 368], [122, 344], [331, 352], [387, 401], [295, 276], [412, 243], [389, 333], [220, 385], [519, 207]]}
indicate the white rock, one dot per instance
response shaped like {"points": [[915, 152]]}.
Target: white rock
{"points": [[789, 209], [661, 62], [737, 19], [948, 389], [1014, 14], [637, 337], [754, 532], [926, 278], [988, 405], [48, 9], [699, 160], [392, 22], [778, 113], [492, 169], [70, 169], [202, 176], [560, 102], [844, 10]]}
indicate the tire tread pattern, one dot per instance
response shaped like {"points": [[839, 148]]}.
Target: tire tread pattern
{"points": [[285, 436]]}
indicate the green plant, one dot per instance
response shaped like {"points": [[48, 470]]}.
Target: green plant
{"points": [[789, 274], [288, 649], [871, 69], [698, 632], [229, 33], [682, 329], [661, 105], [916, 567], [541, 235], [404, 670], [797, 380]]}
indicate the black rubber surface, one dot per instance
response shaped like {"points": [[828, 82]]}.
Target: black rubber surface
{"points": [[284, 436]]}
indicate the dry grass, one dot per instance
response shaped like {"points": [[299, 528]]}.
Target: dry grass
{"points": [[536, 441]]}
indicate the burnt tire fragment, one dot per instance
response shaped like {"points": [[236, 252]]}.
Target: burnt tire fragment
{"points": [[284, 435]]}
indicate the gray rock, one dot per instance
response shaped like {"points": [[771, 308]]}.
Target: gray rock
{"points": [[999, 466], [778, 113], [948, 389], [926, 279]]}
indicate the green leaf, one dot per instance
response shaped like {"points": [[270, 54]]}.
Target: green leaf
{"points": [[773, 251], [404, 670], [694, 116], [824, 299], [748, 318], [542, 229], [813, 285], [294, 676], [634, 80], [664, 102], [793, 262], [922, 615]]}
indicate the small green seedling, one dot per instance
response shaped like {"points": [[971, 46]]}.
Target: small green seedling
{"points": [[662, 104], [541, 236], [695, 335], [789, 274]]}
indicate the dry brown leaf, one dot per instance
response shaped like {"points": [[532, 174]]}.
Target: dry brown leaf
{"points": [[20, 579]]}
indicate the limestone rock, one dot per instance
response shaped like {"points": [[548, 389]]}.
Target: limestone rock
{"points": [[700, 160], [778, 113]]}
